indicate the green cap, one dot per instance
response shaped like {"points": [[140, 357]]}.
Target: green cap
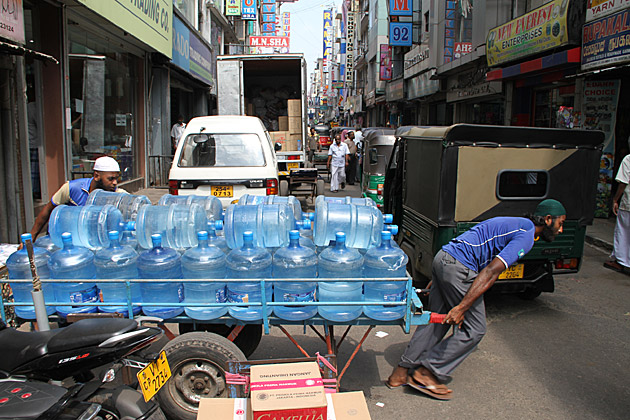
{"points": [[550, 207]]}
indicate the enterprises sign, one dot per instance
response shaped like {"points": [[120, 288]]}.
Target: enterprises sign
{"points": [[606, 41], [328, 38], [541, 29], [149, 21]]}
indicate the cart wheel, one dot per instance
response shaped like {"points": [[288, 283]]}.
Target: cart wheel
{"points": [[284, 188], [247, 340], [198, 363], [320, 187]]}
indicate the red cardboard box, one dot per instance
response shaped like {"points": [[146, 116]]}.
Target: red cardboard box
{"points": [[287, 391]]}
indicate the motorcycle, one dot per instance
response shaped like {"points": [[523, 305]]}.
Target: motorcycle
{"points": [[89, 352]]}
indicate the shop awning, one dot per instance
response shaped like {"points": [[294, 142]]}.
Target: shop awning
{"points": [[18, 50], [561, 58]]}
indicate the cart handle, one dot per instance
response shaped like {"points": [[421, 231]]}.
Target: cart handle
{"points": [[436, 318]]}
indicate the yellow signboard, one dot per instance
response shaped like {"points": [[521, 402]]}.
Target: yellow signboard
{"points": [[150, 21], [539, 30]]}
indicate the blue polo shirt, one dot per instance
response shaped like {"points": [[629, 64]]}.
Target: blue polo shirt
{"points": [[506, 238]]}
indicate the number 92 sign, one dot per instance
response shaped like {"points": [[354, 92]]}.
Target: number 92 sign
{"points": [[400, 34]]}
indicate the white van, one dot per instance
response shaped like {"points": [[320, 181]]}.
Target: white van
{"points": [[224, 156]]}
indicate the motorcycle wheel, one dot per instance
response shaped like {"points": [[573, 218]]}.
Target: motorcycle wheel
{"points": [[247, 340], [198, 362]]}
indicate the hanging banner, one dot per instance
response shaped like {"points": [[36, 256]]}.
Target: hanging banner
{"points": [[386, 62], [232, 7], [540, 30], [606, 42], [350, 36], [250, 11], [596, 9], [328, 38], [600, 113]]}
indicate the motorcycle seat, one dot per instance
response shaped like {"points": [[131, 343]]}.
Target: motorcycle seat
{"points": [[21, 347], [89, 332]]}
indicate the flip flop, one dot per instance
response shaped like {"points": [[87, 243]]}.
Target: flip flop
{"points": [[390, 386], [614, 265], [427, 389]]}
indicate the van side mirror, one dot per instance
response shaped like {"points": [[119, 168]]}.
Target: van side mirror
{"points": [[277, 147]]}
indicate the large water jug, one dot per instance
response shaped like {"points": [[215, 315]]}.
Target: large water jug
{"points": [[340, 262], [210, 204], [127, 204], [20, 269], [73, 262], [385, 261], [46, 243], [161, 263], [248, 199], [128, 236], [177, 225], [294, 262], [89, 225], [117, 262], [248, 262], [358, 201], [361, 224], [204, 262], [216, 240], [269, 223]]}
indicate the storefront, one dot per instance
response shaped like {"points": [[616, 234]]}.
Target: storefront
{"points": [[395, 94], [420, 83], [476, 101]]}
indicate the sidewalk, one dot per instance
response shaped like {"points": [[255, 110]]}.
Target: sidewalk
{"points": [[601, 233]]}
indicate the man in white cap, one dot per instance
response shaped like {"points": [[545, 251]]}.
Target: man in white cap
{"points": [[76, 192]]}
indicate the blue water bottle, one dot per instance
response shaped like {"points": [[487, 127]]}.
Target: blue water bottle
{"points": [[210, 204], [177, 224], [216, 240], [204, 262], [269, 223], [161, 263], [249, 200], [117, 262], [73, 262], [294, 262], [248, 262], [385, 261], [340, 262], [20, 269], [127, 204], [46, 243]]}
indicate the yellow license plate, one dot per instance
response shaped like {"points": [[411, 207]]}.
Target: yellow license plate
{"points": [[154, 376], [221, 190], [293, 165], [513, 272]]}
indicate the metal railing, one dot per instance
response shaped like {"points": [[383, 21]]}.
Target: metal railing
{"points": [[159, 165]]}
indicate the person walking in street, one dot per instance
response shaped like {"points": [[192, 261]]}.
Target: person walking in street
{"points": [[312, 144], [358, 140], [176, 132], [620, 257], [352, 161], [463, 270], [76, 192], [337, 161]]}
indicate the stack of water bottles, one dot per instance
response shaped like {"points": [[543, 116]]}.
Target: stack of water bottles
{"points": [[185, 255]]}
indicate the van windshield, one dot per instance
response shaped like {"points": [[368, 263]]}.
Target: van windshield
{"points": [[218, 150]]}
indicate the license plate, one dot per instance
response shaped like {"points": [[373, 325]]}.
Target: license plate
{"points": [[154, 376], [293, 165], [513, 272], [221, 190]]}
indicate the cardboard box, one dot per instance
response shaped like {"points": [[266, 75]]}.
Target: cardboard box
{"points": [[283, 123], [340, 406], [295, 125], [294, 108], [294, 142], [287, 390]]}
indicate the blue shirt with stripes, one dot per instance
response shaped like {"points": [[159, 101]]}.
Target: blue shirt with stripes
{"points": [[508, 238]]}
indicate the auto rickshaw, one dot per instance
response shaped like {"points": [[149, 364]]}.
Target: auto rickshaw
{"points": [[377, 149], [323, 131], [338, 130]]}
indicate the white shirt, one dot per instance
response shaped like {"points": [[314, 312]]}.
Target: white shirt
{"points": [[338, 154], [177, 131], [623, 175], [358, 139]]}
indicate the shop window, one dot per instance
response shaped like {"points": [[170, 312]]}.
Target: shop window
{"points": [[187, 8], [549, 102], [517, 184]]}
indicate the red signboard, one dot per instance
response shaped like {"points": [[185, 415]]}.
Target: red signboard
{"points": [[269, 41]]}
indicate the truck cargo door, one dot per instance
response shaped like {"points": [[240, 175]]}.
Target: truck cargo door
{"points": [[229, 87]]}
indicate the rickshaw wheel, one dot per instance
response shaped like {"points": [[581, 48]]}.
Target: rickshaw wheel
{"points": [[247, 340], [198, 362]]}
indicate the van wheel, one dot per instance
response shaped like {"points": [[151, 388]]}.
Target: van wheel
{"points": [[284, 188], [319, 190]]}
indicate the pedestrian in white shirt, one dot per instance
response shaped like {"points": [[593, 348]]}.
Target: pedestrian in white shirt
{"points": [[176, 132], [620, 257], [338, 159]]}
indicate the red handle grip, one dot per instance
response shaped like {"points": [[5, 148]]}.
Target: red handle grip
{"points": [[436, 318]]}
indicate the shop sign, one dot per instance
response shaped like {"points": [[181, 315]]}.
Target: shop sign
{"points": [[337, 84], [370, 98], [350, 35], [540, 30], [250, 11], [400, 34], [606, 41], [422, 85], [416, 60], [385, 72], [395, 90], [400, 8], [596, 9], [482, 89], [600, 113], [269, 41], [232, 7], [148, 21], [462, 48], [190, 53], [12, 21], [328, 39]]}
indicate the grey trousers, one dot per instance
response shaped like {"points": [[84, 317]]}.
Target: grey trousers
{"points": [[451, 280]]}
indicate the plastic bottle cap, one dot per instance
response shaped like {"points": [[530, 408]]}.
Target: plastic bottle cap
{"points": [[114, 235], [294, 234], [340, 237], [131, 226], [304, 224], [248, 236], [386, 235], [156, 239], [66, 236], [393, 229], [388, 218], [218, 224], [26, 237], [310, 216], [202, 235]]}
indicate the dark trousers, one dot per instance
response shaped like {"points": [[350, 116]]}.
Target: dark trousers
{"points": [[351, 169]]}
